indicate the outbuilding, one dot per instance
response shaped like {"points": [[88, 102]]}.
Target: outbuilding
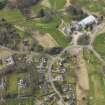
{"points": [[88, 21], [78, 26]]}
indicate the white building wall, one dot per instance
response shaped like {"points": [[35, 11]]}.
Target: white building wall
{"points": [[88, 20]]}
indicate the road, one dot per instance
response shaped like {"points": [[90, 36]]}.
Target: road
{"points": [[94, 34], [50, 69], [97, 30], [97, 54], [51, 78]]}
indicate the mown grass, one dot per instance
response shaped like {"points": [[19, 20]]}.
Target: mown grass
{"points": [[27, 101], [96, 79], [12, 84], [13, 80], [51, 28], [93, 6], [15, 17], [99, 44], [12, 101], [56, 4]]}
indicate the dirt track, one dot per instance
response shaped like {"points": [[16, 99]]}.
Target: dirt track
{"points": [[45, 40], [82, 73], [82, 86]]}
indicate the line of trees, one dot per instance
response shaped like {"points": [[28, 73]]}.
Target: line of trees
{"points": [[3, 3]]}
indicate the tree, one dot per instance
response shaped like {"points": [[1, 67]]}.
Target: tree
{"points": [[2, 3], [76, 12], [26, 3], [84, 40], [36, 47], [8, 35], [55, 50]]}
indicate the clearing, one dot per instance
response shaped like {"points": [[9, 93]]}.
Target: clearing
{"points": [[99, 44], [45, 40], [96, 79]]}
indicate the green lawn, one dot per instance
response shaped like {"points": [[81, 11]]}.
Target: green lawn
{"points": [[96, 79], [13, 16], [97, 84], [13, 79], [99, 44], [12, 84], [12, 101], [16, 17], [36, 8], [93, 5], [27, 101], [21, 33], [51, 28], [56, 4]]}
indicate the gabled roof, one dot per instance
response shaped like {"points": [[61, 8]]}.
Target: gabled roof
{"points": [[88, 20]]}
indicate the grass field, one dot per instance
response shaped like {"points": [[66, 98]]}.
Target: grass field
{"points": [[56, 4], [4, 53], [27, 101], [15, 17], [13, 79], [99, 44], [21, 33], [12, 101], [97, 84], [96, 79], [93, 5], [50, 28]]}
